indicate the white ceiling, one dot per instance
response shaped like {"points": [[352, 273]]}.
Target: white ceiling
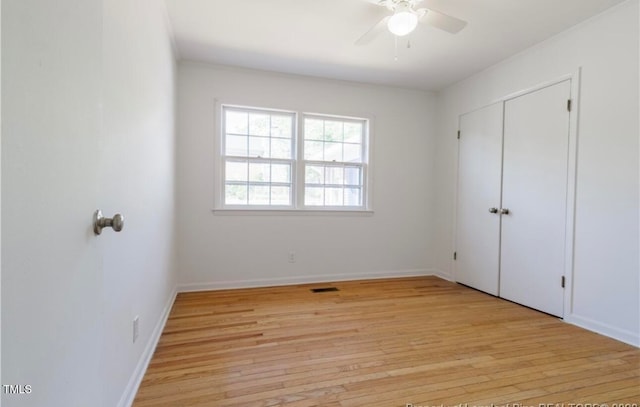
{"points": [[316, 37]]}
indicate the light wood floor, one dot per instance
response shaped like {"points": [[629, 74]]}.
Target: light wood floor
{"points": [[420, 341]]}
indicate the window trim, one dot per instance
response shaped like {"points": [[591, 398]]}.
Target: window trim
{"points": [[298, 164]]}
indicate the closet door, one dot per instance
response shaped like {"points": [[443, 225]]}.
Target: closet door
{"points": [[536, 141], [477, 224]]}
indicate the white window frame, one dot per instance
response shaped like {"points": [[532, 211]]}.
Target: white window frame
{"points": [[362, 165], [297, 169], [257, 159]]}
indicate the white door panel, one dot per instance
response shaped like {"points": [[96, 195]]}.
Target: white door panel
{"points": [[479, 172], [536, 137], [51, 260]]}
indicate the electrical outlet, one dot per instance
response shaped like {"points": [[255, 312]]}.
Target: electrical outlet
{"points": [[136, 329], [292, 257]]}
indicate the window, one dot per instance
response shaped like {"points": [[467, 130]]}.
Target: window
{"points": [[333, 161], [268, 164], [258, 157]]}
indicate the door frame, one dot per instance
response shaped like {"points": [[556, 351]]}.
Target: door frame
{"points": [[572, 161]]}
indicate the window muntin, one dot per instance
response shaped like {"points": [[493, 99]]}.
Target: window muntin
{"points": [[268, 164], [258, 158]]}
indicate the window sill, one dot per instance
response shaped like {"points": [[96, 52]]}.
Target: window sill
{"points": [[292, 212]]}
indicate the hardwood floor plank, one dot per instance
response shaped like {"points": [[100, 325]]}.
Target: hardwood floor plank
{"points": [[378, 343]]}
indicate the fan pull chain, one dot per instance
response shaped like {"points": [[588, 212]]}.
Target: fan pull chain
{"points": [[395, 42], [395, 45]]}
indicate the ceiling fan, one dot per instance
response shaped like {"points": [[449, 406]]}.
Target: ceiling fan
{"points": [[405, 19]]}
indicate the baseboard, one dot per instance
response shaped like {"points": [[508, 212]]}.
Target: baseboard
{"points": [[622, 335], [443, 275], [319, 278], [136, 378]]}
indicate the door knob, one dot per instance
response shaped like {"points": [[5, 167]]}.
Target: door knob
{"points": [[504, 211], [100, 222], [493, 210]]}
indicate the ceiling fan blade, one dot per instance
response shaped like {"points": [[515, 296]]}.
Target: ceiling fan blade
{"points": [[440, 20], [373, 32]]}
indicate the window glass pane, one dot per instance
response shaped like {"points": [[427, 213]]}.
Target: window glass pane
{"points": [[280, 196], [352, 153], [333, 151], [259, 147], [237, 122], [333, 196], [313, 129], [313, 150], [333, 131], [281, 173], [352, 176], [334, 175], [236, 171], [352, 197], [314, 196], [280, 148], [281, 126], [259, 172], [314, 174], [259, 124], [258, 195], [236, 145], [353, 132], [235, 194]]}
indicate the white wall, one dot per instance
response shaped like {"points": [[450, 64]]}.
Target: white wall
{"points": [[137, 180], [217, 250], [606, 286]]}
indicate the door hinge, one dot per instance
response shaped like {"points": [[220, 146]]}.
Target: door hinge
{"points": [[455, 255], [458, 134], [562, 282], [569, 105]]}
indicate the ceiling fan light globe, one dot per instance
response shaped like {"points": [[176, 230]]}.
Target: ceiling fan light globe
{"points": [[402, 23]]}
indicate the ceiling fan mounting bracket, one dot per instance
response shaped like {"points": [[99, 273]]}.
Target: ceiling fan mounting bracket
{"points": [[393, 4]]}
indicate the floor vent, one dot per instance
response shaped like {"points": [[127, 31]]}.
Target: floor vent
{"points": [[324, 289]]}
